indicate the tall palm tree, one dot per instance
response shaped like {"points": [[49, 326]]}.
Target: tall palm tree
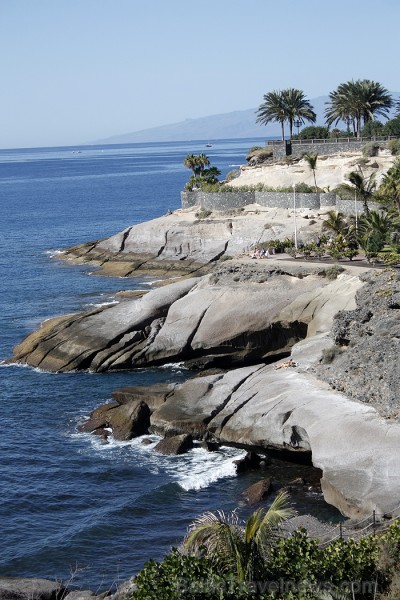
{"points": [[236, 548], [297, 107], [191, 163], [311, 160], [202, 162], [389, 190], [286, 105], [363, 186], [358, 102], [272, 109]]}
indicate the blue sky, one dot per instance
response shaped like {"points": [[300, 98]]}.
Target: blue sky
{"points": [[73, 71]]}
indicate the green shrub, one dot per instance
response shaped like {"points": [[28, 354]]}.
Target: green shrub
{"points": [[371, 149], [333, 272], [329, 354], [317, 132], [394, 147], [392, 127], [232, 175], [184, 577], [372, 128], [203, 213]]}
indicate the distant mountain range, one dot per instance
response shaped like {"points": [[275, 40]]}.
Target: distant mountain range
{"points": [[236, 124]]}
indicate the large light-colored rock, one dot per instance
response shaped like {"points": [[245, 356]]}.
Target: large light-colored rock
{"points": [[286, 409], [219, 319], [181, 242]]}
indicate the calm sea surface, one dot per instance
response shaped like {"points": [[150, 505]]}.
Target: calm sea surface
{"points": [[69, 502]]}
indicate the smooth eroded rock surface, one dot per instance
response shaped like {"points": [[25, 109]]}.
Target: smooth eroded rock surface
{"points": [[239, 314]]}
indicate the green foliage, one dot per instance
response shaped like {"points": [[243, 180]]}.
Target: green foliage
{"points": [[371, 149], [316, 132], [242, 549], [372, 128], [203, 213], [301, 188], [285, 106], [278, 245], [394, 147], [203, 173], [357, 102], [313, 572], [333, 271], [389, 190], [392, 127], [232, 175], [329, 354], [185, 577]]}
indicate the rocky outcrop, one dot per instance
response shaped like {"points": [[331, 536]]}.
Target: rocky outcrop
{"points": [[19, 588], [364, 358], [258, 492], [184, 242], [263, 408], [240, 314], [177, 444]]}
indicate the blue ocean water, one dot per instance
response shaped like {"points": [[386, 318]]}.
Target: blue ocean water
{"points": [[69, 502]]}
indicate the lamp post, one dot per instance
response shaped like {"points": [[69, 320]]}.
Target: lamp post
{"points": [[294, 216], [355, 208], [297, 123]]}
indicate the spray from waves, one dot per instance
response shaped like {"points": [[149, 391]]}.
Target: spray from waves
{"points": [[54, 253], [195, 470]]}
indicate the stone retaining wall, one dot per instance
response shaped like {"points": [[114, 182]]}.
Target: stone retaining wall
{"points": [[317, 146], [228, 200]]}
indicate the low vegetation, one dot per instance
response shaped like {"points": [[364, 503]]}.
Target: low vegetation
{"points": [[223, 559]]}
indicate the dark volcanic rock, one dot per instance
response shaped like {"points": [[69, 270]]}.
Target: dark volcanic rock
{"points": [[258, 491], [127, 420], [368, 366], [177, 444], [250, 462]]}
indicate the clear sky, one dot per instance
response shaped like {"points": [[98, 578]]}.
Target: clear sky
{"points": [[74, 71]]}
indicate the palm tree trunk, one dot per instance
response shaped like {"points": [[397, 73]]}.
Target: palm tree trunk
{"points": [[283, 131]]}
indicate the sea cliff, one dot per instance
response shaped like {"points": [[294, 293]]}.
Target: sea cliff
{"points": [[268, 326]]}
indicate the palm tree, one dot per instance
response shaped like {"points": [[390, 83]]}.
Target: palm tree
{"points": [[374, 232], [358, 102], [364, 187], [297, 107], [311, 160], [335, 222], [202, 162], [286, 105], [389, 190], [236, 548], [272, 109], [191, 163]]}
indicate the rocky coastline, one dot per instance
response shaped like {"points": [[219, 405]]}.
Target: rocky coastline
{"points": [[337, 401], [292, 358]]}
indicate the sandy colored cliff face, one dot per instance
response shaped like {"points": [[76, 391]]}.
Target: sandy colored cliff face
{"points": [[331, 170]]}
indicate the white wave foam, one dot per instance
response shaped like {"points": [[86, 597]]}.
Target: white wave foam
{"points": [[174, 366], [99, 304], [195, 470], [54, 253], [207, 469]]}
